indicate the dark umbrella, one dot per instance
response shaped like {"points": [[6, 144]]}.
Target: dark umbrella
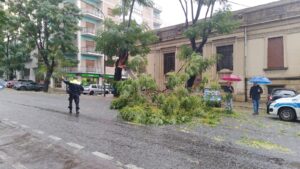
{"points": [[260, 80]]}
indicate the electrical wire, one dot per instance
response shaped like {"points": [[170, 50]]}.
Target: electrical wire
{"points": [[239, 4]]}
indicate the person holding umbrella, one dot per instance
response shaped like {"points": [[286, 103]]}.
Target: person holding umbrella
{"points": [[229, 90], [255, 93], [228, 98]]}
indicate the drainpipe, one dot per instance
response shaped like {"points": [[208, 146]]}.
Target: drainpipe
{"points": [[245, 62]]}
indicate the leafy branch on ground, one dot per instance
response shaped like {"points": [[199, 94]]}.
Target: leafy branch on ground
{"points": [[141, 101]]}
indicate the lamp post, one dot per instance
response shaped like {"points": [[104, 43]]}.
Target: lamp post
{"points": [[104, 76]]}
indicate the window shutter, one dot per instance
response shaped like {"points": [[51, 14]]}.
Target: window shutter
{"points": [[275, 52]]}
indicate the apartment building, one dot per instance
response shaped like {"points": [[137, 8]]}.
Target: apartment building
{"points": [[91, 63], [266, 44]]}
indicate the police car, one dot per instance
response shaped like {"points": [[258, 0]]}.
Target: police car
{"points": [[288, 109]]}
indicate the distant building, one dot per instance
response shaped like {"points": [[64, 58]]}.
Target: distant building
{"points": [[91, 62], [266, 44]]}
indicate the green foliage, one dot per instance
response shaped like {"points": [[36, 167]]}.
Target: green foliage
{"points": [[140, 102], [49, 25], [197, 64], [222, 22], [138, 64], [175, 79], [15, 48], [118, 38]]}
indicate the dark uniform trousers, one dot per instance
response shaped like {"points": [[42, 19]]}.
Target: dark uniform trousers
{"points": [[74, 97]]}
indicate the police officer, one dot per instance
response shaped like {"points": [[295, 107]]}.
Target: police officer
{"points": [[74, 91]]}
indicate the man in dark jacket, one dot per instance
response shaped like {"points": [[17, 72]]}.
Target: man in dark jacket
{"points": [[74, 91], [255, 93]]}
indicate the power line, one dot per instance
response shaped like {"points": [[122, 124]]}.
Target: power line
{"points": [[239, 4]]}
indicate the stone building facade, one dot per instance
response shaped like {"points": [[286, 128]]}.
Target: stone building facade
{"points": [[265, 44]]}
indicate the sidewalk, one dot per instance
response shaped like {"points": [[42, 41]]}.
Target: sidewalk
{"points": [[248, 105]]}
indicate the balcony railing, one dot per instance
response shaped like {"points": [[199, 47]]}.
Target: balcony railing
{"points": [[90, 50], [90, 31], [82, 70], [93, 12]]}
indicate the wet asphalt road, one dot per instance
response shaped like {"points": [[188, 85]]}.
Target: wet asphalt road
{"points": [[99, 139]]}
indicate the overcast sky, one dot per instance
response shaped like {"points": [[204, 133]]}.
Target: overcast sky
{"points": [[172, 12]]}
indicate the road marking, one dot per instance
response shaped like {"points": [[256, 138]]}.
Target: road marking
{"points": [[5, 119], [75, 145], [3, 156], [19, 166], [101, 155], [54, 138], [14, 122], [24, 126], [131, 166], [39, 132]]}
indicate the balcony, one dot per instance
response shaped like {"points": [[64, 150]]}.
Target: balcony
{"points": [[88, 32], [93, 13], [90, 51], [82, 70]]}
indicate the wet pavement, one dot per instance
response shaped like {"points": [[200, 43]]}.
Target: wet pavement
{"points": [[37, 132]]}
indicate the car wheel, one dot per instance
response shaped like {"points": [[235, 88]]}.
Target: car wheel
{"points": [[287, 114], [92, 92]]}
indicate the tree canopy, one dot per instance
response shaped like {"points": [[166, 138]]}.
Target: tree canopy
{"points": [[198, 30], [51, 26]]}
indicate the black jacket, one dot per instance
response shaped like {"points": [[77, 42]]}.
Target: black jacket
{"points": [[73, 89], [255, 92], [228, 89]]}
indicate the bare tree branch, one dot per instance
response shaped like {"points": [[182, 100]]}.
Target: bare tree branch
{"points": [[185, 11], [192, 10], [199, 8]]}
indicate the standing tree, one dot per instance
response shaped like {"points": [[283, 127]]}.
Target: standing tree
{"points": [[51, 26], [125, 38], [15, 49], [198, 30]]}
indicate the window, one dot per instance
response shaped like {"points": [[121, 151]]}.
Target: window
{"points": [[169, 62], [226, 59], [275, 53], [110, 12], [90, 63]]}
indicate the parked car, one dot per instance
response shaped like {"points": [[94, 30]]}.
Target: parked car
{"points": [[288, 109], [2, 84], [110, 88], [280, 93], [27, 85], [212, 97], [94, 89], [11, 83]]}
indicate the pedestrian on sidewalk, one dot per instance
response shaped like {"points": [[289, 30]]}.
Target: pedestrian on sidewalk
{"points": [[74, 91], [228, 89], [255, 93]]}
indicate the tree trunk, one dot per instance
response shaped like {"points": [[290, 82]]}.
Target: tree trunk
{"points": [[47, 80]]}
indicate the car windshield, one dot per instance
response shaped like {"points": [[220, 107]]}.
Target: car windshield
{"points": [[211, 92]]}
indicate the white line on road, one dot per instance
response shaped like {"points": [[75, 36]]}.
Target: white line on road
{"points": [[3, 156], [14, 122], [19, 166], [24, 126], [131, 166], [5, 119], [75, 145], [54, 138], [39, 132], [101, 155]]}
